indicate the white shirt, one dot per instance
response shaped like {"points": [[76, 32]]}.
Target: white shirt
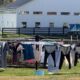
{"points": [[37, 52]]}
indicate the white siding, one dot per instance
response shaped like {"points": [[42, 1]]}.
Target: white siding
{"points": [[49, 6], [8, 20], [1, 20]]}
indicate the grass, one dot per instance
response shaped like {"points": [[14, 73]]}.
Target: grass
{"points": [[17, 72], [10, 36], [29, 74], [14, 35], [31, 71]]}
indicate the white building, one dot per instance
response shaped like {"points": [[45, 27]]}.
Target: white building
{"points": [[41, 13], [7, 18]]}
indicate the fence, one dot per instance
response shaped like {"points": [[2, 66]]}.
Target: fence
{"points": [[35, 31], [10, 31]]}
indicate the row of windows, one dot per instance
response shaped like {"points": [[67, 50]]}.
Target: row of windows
{"points": [[37, 24], [49, 13]]}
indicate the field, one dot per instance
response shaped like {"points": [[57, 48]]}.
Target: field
{"points": [[29, 74]]}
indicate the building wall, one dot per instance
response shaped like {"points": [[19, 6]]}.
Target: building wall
{"points": [[10, 20], [45, 6], [7, 20]]}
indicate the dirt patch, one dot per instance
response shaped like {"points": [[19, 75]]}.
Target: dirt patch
{"points": [[23, 78], [37, 78]]}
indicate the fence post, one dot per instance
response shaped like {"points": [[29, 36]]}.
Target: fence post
{"points": [[2, 32], [33, 30], [49, 31], [19, 31]]}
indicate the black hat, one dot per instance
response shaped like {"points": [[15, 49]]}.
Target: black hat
{"points": [[37, 38]]}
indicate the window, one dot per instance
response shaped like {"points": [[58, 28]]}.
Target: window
{"points": [[26, 12], [37, 12], [65, 25], [23, 12], [51, 24], [65, 13], [52, 13], [20, 12], [24, 24], [37, 24], [77, 13]]}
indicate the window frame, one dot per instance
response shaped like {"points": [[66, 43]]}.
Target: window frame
{"points": [[37, 12], [65, 13], [51, 13]]}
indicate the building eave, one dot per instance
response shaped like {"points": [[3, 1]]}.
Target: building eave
{"points": [[17, 4]]}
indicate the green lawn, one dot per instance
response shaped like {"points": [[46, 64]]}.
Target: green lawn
{"points": [[14, 36], [17, 72], [31, 71], [29, 74]]}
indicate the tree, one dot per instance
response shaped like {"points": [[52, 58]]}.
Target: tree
{"points": [[3, 2]]}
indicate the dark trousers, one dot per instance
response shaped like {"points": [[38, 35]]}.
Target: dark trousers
{"points": [[62, 60], [76, 59], [46, 56]]}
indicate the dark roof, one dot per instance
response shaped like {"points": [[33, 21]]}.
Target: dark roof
{"points": [[17, 3]]}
